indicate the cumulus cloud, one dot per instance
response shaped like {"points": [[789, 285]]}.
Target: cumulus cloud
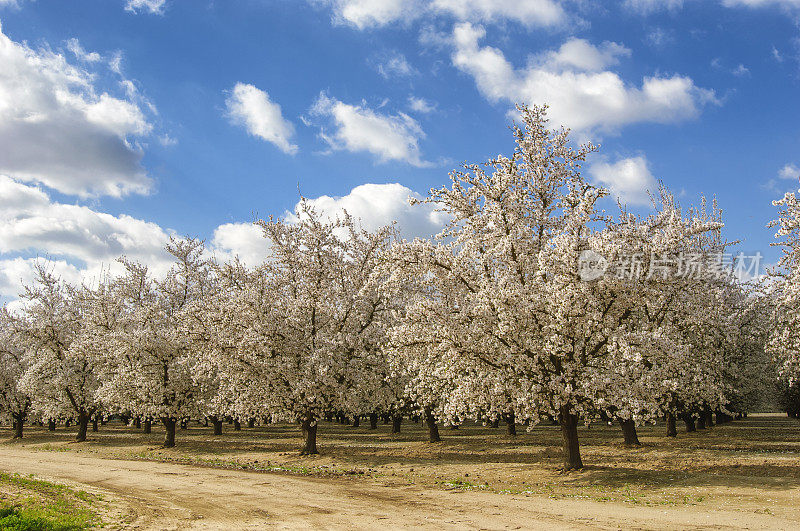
{"points": [[154, 7], [356, 128], [628, 179], [243, 240], [78, 238], [364, 14], [373, 205], [253, 109], [57, 129], [572, 80], [378, 205]]}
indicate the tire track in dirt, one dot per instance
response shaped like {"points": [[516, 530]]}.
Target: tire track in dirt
{"points": [[176, 496]]}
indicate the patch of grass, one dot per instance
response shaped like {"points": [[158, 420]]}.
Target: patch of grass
{"points": [[29, 504]]}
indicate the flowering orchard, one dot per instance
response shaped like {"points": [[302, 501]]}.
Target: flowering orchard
{"points": [[532, 305]]}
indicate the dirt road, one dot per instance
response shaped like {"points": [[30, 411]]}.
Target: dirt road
{"points": [[172, 496]]}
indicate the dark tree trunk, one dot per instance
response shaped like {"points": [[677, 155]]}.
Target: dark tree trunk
{"points": [[83, 426], [397, 421], [385, 418], [433, 429], [237, 426], [169, 427], [496, 423], [51, 425], [569, 436], [19, 420], [373, 421], [251, 423], [511, 424], [701, 422], [309, 427], [709, 418], [217, 425], [356, 421], [689, 421], [95, 421], [672, 431], [148, 426], [137, 422], [629, 432]]}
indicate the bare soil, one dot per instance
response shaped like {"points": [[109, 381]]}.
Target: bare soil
{"points": [[740, 475]]}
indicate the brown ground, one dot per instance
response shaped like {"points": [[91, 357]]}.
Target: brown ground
{"points": [[744, 474]]}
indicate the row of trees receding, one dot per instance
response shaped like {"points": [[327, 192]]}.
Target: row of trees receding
{"points": [[501, 316]]}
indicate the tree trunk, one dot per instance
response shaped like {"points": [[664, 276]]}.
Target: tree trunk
{"points": [[237, 426], [95, 421], [83, 426], [397, 421], [689, 421], [251, 423], [309, 426], [137, 423], [496, 423], [217, 425], [356, 421], [701, 422], [385, 418], [709, 418], [19, 420], [629, 432], [433, 429], [148, 426], [569, 436], [169, 427], [511, 424], [51, 425], [373, 421], [672, 431]]}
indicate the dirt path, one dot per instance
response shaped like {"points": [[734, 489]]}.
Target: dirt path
{"points": [[172, 496]]}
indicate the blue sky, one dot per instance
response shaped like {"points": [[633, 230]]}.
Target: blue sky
{"points": [[123, 121]]}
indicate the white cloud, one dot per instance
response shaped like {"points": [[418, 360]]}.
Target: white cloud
{"points": [[741, 71], [74, 46], [245, 240], [789, 171], [81, 240], [252, 108], [58, 130], [360, 129], [378, 205], [629, 179], [581, 55], [421, 105], [646, 7], [154, 7], [364, 14], [394, 64], [580, 95], [762, 3]]}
